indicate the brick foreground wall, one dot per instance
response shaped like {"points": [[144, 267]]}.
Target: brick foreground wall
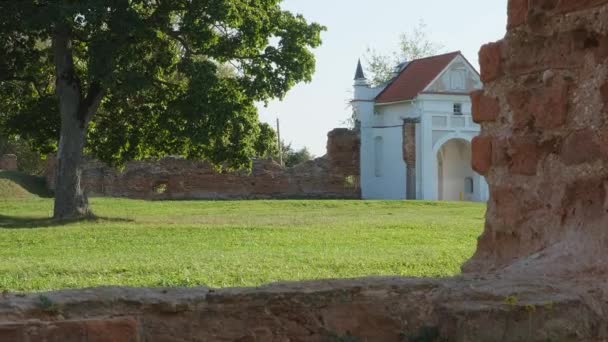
{"points": [[399, 310], [539, 273], [332, 176]]}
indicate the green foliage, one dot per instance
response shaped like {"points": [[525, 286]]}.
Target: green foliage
{"points": [[29, 158], [412, 45], [232, 243], [293, 157], [266, 144], [175, 76], [4, 145], [511, 300]]}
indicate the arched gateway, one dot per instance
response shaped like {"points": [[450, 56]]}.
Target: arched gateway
{"points": [[456, 180]]}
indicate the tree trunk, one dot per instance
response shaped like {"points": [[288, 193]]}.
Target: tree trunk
{"points": [[76, 112], [70, 201]]}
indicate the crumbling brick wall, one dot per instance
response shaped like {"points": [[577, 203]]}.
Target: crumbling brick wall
{"points": [[8, 162], [330, 176], [544, 139]]}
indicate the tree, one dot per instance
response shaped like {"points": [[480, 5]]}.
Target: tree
{"points": [[133, 79], [412, 45], [293, 157], [266, 144]]}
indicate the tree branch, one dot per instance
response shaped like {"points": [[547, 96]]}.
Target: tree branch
{"points": [[91, 102]]}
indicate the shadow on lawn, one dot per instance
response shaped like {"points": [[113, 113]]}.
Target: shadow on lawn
{"points": [[32, 184], [16, 222]]}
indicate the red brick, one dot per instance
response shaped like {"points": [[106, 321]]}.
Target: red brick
{"points": [[11, 332], [518, 13], [585, 200], [524, 153], [513, 205], [601, 51], [604, 94], [518, 102], [536, 54], [66, 331], [484, 108], [580, 147], [500, 157], [490, 61], [577, 5], [481, 154], [112, 330], [550, 107], [602, 134]]}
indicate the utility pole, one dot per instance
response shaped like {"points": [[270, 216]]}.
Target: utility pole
{"points": [[279, 143]]}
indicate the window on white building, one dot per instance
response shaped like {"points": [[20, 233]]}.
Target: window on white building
{"points": [[457, 108], [378, 156], [469, 188], [457, 80]]}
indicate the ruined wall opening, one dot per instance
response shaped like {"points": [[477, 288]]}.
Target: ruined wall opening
{"points": [[453, 170], [160, 187]]}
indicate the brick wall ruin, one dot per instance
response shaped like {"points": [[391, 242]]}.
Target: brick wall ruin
{"points": [[543, 144], [539, 273], [409, 156], [8, 162], [333, 176]]}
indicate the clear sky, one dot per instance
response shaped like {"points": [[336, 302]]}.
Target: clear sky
{"points": [[310, 110]]}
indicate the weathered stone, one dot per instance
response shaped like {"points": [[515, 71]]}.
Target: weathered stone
{"points": [[490, 59], [577, 5], [547, 178], [481, 149], [375, 309], [604, 95], [581, 147], [11, 332], [484, 108], [409, 156], [524, 155], [110, 330], [517, 13], [545, 107], [584, 201], [550, 105]]}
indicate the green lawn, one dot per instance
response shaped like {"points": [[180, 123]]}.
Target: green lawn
{"points": [[231, 243]]}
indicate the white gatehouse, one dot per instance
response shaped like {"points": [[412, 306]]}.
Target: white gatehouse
{"points": [[416, 131]]}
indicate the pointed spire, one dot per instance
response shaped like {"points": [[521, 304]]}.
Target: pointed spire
{"points": [[359, 75]]}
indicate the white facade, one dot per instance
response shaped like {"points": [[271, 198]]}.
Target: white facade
{"points": [[444, 131]]}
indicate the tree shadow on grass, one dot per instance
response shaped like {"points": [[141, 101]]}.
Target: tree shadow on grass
{"points": [[33, 184], [20, 222]]}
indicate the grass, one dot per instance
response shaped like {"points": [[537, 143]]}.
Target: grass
{"points": [[231, 243], [15, 184]]}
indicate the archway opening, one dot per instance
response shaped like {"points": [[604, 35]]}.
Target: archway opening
{"points": [[456, 180]]}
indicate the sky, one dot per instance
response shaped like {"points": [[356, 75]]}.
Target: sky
{"points": [[310, 110]]}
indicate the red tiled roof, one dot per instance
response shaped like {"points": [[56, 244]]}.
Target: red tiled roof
{"points": [[416, 76]]}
